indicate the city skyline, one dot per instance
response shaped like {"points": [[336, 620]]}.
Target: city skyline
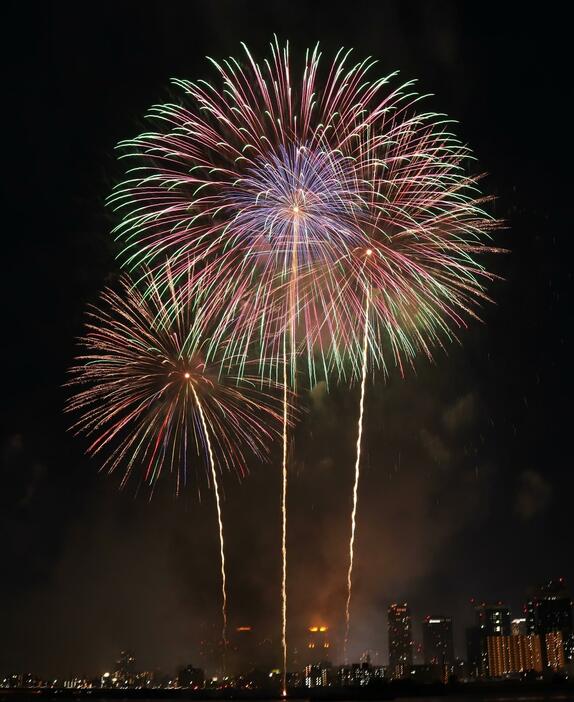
{"points": [[498, 643]]}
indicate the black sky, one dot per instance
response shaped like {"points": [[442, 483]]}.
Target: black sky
{"points": [[467, 488]]}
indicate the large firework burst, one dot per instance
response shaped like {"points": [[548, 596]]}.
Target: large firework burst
{"points": [[292, 198], [324, 217]]}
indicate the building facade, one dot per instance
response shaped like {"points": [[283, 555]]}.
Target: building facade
{"points": [[555, 657], [549, 610], [438, 642], [490, 620], [400, 640], [318, 647], [513, 654]]}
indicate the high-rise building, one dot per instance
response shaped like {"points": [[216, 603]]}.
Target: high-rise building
{"points": [[513, 654], [490, 620], [473, 651], [549, 610], [400, 640], [493, 619], [438, 643], [242, 649], [318, 645]]}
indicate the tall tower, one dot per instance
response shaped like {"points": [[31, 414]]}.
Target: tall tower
{"points": [[400, 640], [549, 611], [318, 645], [438, 643], [491, 620], [242, 650], [473, 651]]}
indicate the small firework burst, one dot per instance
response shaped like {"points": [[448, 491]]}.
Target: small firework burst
{"points": [[148, 400]]}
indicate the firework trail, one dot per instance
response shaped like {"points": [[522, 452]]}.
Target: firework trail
{"points": [[292, 306], [146, 397], [357, 476], [219, 522], [258, 196], [284, 529]]}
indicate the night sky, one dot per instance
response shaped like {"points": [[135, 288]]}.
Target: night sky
{"points": [[466, 488]]}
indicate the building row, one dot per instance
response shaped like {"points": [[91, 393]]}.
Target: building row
{"points": [[497, 646], [539, 642]]}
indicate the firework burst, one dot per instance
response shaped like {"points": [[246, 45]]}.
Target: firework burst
{"points": [[313, 214], [346, 162], [139, 387]]}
